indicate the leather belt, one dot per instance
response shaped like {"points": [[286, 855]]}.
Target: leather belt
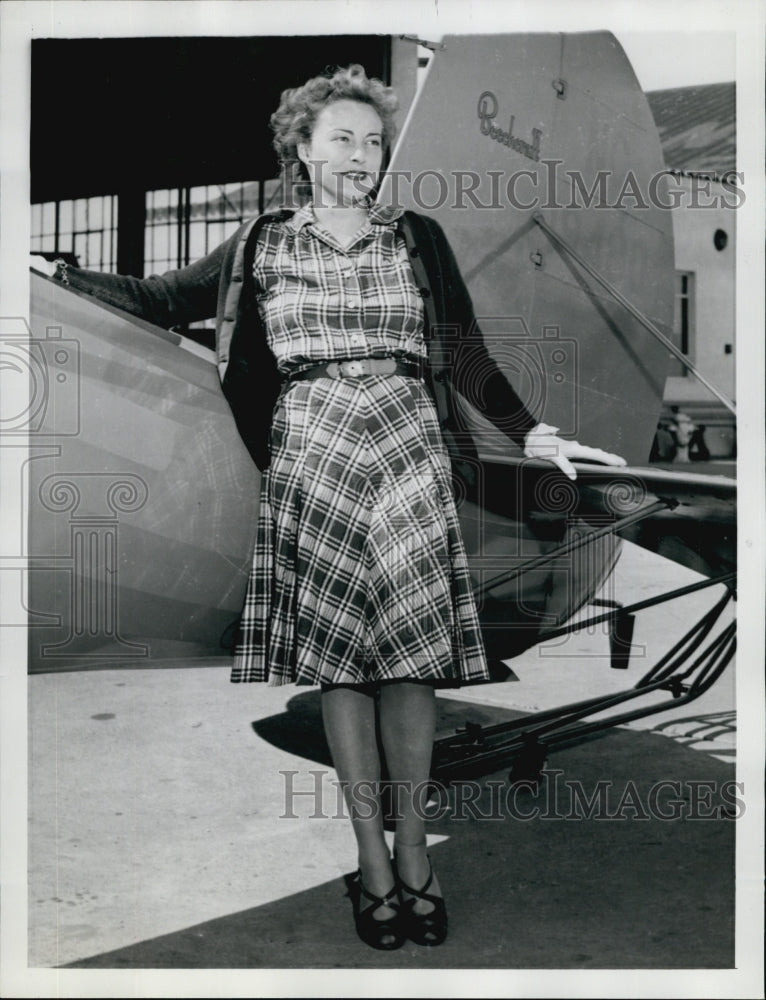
{"points": [[358, 368]]}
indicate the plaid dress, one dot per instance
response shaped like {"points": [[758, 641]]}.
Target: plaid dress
{"points": [[359, 572]]}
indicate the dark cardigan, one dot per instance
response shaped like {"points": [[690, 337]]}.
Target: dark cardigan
{"points": [[221, 284], [456, 352]]}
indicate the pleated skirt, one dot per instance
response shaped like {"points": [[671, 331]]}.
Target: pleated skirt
{"points": [[359, 573]]}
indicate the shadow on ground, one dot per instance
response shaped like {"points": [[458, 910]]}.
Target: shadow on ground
{"points": [[299, 729], [643, 878]]}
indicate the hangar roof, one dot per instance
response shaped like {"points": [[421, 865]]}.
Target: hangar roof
{"points": [[697, 127]]}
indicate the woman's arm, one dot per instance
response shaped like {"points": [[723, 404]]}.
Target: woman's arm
{"points": [[477, 377], [181, 296]]}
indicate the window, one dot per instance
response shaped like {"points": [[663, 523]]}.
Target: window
{"points": [[86, 227], [181, 226], [185, 224], [683, 321]]}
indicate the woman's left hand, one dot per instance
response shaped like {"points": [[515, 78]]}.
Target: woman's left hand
{"points": [[543, 442]]}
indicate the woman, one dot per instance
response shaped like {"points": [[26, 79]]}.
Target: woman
{"points": [[328, 334]]}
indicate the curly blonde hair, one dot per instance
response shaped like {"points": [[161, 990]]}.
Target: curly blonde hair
{"points": [[299, 107]]}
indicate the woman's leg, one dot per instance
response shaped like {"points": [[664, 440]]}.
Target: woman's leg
{"points": [[349, 716], [407, 729]]}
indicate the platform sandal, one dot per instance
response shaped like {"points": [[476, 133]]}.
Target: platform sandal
{"points": [[385, 934], [430, 928]]}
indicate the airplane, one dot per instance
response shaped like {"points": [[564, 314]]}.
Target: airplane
{"points": [[539, 157]]}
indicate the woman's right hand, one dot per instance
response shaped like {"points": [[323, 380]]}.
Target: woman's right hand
{"points": [[543, 441]]}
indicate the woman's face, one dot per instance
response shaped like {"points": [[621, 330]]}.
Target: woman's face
{"points": [[344, 155]]}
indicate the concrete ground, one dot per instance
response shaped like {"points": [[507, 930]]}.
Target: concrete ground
{"points": [[163, 834]]}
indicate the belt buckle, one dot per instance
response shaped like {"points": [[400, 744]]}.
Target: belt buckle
{"points": [[352, 369]]}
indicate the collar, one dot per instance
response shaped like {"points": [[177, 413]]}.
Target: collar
{"points": [[378, 215], [385, 215], [301, 217]]}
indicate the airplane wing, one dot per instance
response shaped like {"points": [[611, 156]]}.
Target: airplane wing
{"points": [[698, 526], [142, 499]]}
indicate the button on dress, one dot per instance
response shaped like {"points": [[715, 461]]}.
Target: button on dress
{"points": [[359, 572]]}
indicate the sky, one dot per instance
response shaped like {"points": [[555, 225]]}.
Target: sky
{"points": [[697, 57]]}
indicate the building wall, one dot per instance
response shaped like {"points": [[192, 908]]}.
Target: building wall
{"points": [[714, 319]]}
